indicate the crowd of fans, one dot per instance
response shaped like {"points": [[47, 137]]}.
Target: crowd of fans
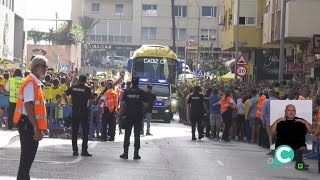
{"points": [[246, 96]]}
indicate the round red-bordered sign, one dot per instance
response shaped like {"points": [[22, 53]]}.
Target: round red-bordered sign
{"points": [[242, 71]]}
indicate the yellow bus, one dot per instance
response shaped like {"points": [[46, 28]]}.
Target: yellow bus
{"points": [[157, 65]]}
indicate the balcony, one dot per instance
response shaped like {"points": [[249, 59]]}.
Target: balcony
{"points": [[301, 19]]}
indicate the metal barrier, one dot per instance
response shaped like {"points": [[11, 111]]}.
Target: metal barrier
{"points": [[53, 121], [4, 104], [67, 111]]}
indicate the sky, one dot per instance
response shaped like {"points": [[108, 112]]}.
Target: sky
{"points": [[46, 9]]}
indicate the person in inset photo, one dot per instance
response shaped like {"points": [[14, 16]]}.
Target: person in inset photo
{"points": [[291, 131]]}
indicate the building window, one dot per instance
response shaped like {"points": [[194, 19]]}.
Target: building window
{"points": [[251, 20], [208, 34], [180, 11], [149, 10], [148, 33], [181, 34], [95, 8], [247, 21], [119, 9], [209, 11], [242, 21]]}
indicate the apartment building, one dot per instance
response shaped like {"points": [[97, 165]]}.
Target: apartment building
{"points": [[12, 30], [300, 27], [127, 24]]}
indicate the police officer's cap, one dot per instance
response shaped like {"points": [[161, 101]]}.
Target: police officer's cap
{"points": [[82, 78], [135, 80]]}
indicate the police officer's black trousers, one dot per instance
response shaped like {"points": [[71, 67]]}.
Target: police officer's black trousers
{"points": [[29, 148], [196, 120], [227, 119], [11, 109], [80, 116], [108, 119], [128, 130], [207, 124]]}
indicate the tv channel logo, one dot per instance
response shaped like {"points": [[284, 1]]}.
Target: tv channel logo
{"points": [[283, 155]]}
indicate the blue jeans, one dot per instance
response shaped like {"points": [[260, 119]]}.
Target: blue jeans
{"points": [[148, 117]]}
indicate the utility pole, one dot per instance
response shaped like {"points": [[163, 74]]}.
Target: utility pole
{"points": [[198, 44], [282, 42], [56, 22], [237, 40]]}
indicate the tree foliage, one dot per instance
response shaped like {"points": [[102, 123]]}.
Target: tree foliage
{"points": [[35, 36], [66, 34], [87, 23]]}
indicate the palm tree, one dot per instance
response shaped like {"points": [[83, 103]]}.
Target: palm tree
{"points": [[87, 23], [173, 26]]}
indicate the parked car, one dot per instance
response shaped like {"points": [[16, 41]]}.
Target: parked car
{"points": [[114, 61]]}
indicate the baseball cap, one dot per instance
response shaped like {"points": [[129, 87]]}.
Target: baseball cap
{"points": [[109, 81], [82, 78], [135, 80]]}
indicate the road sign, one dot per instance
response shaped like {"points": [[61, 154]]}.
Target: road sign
{"points": [[200, 73], [242, 71], [242, 61], [64, 67]]}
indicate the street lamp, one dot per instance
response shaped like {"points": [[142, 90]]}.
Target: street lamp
{"points": [[198, 44]]}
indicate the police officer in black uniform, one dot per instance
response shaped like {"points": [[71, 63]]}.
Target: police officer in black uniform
{"points": [[133, 102], [206, 117], [197, 107], [80, 95]]}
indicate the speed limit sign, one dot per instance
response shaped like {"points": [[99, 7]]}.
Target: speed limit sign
{"points": [[242, 71]]}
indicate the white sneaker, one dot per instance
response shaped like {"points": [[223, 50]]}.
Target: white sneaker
{"points": [[237, 138]]}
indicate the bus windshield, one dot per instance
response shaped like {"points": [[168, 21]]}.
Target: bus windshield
{"points": [[155, 69], [162, 91]]}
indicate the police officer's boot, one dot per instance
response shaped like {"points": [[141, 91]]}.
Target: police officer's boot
{"points": [[193, 136], [136, 155], [125, 154], [300, 165]]}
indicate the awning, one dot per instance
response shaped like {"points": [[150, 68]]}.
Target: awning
{"points": [[227, 77]]}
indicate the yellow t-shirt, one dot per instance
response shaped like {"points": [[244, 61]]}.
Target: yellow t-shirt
{"points": [[64, 87], [100, 90], [55, 92], [247, 107], [59, 111], [4, 83], [47, 93]]}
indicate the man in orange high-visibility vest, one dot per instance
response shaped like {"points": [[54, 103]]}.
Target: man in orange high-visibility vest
{"points": [[110, 100], [262, 132], [30, 115], [304, 92]]}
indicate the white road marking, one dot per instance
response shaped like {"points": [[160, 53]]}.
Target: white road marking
{"points": [[14, 178], [220, 163], [92, 146], [229, 177]]}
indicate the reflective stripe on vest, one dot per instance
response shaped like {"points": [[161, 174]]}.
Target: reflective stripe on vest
{"points": [[15, 85], [39, 105]]}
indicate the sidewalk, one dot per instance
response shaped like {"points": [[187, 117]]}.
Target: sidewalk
{"points": [[7, 136]]}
